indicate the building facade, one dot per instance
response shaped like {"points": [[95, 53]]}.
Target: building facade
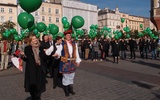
{"points": [[87, 11], [134, 22], [58, 1], [49, 13], [155, 13], [8, 11], [14, 2], [109, 18], [112, 19]]}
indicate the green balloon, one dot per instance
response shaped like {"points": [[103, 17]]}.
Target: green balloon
{"points": [[119, 34], [31, 28], [156, 37], [23, 33], [4, 34], [12, 30], [77, 22], [150, 32], [125, 29], [25, 20], [61, 34], [66, 25], [41, 27], [152, 35], [110, 35], [141, 26], [54, 29], [109, 30], [38, 35], [122, 20], [116, 37], [92, 26], [35, 31], [76, 38], [64, 20], [139, 34], [20, 37], [73, 35], [30, 5], [96, 26], [127, 35], [16, 37]]}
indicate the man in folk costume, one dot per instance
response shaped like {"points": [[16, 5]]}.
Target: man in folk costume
{"points": [[69, 61], [5, 46]]}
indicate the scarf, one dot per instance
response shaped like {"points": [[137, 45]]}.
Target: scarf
{"points": [[35, 48]]}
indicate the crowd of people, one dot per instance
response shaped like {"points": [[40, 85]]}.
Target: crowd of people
{"points": [[102, 48], [59, 58]]}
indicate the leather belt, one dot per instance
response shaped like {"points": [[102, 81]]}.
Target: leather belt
{"points": [[71, 59]]}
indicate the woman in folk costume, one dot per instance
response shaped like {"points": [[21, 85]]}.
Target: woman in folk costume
{"points": [[69, 61], [34, 75]]}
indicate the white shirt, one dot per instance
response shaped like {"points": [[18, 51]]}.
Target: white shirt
{"points": [[70, 50], [59, 50]]}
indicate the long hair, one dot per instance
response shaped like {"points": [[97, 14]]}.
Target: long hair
{"points": [[30, 38]]}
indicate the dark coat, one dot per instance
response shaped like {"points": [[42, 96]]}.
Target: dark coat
{"points": [[34, 75], [115, 48], [132, 44], [153, 45], [145, 44], [105, 46], [123, 45]]}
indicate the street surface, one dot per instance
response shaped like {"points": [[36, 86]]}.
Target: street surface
{"points": [[131, 79]]}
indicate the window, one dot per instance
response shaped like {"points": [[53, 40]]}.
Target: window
{"points": [[43, 18], [11, 19], [57, 11], [50, 19], [36, 13], [49, 10], [42, 9], [2, 18], [10, 10], [101, 24], [21, 11], [2, 9], [57, 20]]}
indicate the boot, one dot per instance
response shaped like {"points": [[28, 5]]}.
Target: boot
{"points": [[66, 91], [113, 59], [71, 89]]}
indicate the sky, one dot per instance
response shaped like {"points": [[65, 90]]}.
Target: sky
{"points": [[132, 7]]}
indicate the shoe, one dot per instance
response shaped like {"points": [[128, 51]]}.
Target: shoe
{"points": [[71, 90], [66, 91], [46, 81], [54, 87]]}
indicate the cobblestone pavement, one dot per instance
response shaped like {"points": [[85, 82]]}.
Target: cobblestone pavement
{"points": [[129, 80]]}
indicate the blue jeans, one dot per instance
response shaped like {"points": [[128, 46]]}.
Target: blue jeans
{"points": [[123, 54], [145, 51], [154, 54]]}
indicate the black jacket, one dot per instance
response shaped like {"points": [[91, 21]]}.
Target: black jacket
{"points": [[34, 75]]}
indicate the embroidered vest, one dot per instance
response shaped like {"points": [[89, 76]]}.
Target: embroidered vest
{"points": [[65, 52]]}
